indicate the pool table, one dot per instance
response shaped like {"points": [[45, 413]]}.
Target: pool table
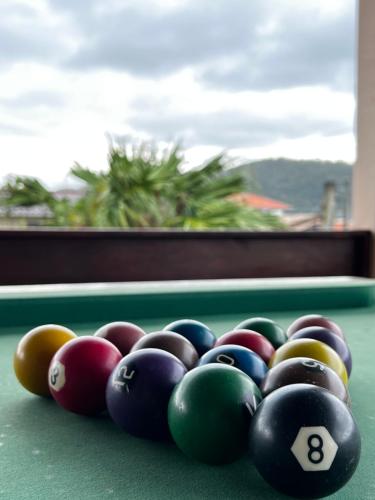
{"points": [[48, 453]]}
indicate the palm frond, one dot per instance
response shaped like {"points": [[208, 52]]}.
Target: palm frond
{"points": [[25, 191], [144, 186]]}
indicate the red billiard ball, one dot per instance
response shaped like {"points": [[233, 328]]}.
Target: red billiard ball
{"points": [[314, 320], [79, 372], [121, 334], [252, 340]]}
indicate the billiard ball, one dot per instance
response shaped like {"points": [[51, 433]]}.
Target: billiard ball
{"points": [[34, 353], [311, 348], [304, 441], [304, 371], [196, 332], [139, 390], [268, 328], [329, 338], [314, 320], [240, 357], [79, 372], [210, 411], [171, 342], [121, 334], [252, 340]]}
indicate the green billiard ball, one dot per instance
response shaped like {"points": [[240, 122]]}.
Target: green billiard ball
{"points": [[268, 328], [210, 411]]}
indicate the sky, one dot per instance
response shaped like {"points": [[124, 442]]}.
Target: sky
{"points": [[253, 78]]}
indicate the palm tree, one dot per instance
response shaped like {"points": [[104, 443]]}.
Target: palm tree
{"points": [[145, 187]]}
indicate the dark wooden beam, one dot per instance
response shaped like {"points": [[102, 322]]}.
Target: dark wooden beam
{"points": [[65, 256]]}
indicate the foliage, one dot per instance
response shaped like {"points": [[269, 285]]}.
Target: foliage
{"points": [[26, 192], [145, 187]]}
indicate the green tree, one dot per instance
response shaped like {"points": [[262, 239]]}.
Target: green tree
{"points": [[145, 187]]}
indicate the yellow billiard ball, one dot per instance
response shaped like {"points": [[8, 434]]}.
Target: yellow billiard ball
{"points": [[34, 353], [314, 349]]}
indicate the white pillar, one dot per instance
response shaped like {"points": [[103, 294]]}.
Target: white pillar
{"points": [[364, 170]]}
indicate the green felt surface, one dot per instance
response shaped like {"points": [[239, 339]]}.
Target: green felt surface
{"points": [[47, 453]]}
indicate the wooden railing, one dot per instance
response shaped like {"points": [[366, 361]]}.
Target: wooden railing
{"points": [[66, 256]]}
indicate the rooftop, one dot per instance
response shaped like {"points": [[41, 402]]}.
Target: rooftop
{"points": [[259, 202]]}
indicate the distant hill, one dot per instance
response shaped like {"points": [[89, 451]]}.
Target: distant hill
{"points": [[299, 183]]}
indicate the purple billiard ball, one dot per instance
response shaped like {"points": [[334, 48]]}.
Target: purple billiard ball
{"points": [[139, 390], [327, 337]]}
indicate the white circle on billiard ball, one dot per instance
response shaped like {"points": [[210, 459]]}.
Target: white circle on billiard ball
{"points": [[57, 376]]}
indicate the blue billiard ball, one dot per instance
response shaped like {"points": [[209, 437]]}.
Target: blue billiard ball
{"points": [[202, 338], [240, 357]]}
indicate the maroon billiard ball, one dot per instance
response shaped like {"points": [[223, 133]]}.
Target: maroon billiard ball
{"points": [[121, 334], [252, 340], [171, 342], [314, 320], [79, 372], [304, 371]]}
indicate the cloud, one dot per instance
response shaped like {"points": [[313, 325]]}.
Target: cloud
{"points": [[232, 45], [301, 47], [30, 33], [152, 42], [261, 77], [30, 112], [45, 98], [231, 128], [235, 45], [15, 130]]}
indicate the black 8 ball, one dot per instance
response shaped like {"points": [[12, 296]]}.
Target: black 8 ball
{"points": [[304, 441]]}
